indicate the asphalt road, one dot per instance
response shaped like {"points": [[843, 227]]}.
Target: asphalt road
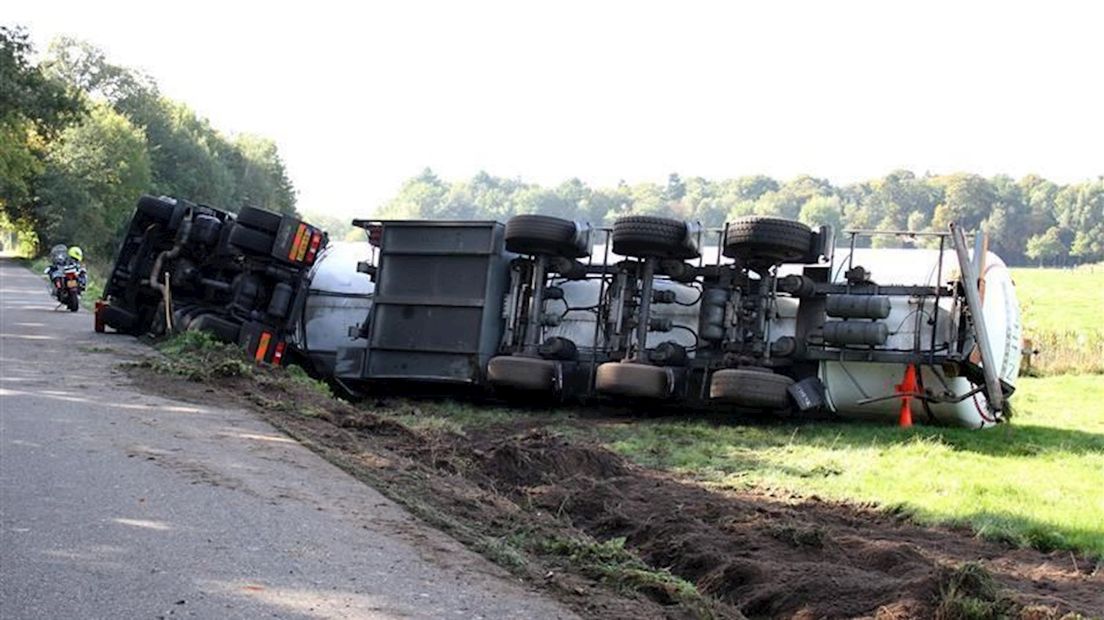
{"points": [[117, 504]]}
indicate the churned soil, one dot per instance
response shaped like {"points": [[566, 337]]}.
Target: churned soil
{"points": [[750, 554]]}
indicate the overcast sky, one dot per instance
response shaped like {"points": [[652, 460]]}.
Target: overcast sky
{"points": [[360, 96]]}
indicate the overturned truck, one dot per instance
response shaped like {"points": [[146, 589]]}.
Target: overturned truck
{"points": [[185, 266], [764, 314]]}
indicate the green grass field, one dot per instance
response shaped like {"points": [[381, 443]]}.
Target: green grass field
{"points": [[1063, 316], [1038, 482]]}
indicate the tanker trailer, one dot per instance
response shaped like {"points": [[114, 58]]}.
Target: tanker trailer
{"points": [[764, 314]]}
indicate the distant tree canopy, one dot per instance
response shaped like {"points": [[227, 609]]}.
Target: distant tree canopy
{"points": [[1028, 220], [82, 138]]}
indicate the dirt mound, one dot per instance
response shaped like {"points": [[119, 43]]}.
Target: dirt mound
{"points": [[768, 557], [539, 457]]}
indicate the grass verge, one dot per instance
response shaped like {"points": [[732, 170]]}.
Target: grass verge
{"points": [[1035, 483]]}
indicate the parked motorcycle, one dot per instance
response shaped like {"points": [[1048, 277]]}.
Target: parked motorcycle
{"points": [[67, 276]]}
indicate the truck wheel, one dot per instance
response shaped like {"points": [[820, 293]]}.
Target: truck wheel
{"points": [[260, 219], [251, 241], [168, 212], [754, 388], [774, 239], [156, 208], [224, 330], [522, 373], [543, 234], [645, 236], [634, 380]]}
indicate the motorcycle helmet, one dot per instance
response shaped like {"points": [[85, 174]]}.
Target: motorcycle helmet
{"points": [[76, 254], [58, 253]]}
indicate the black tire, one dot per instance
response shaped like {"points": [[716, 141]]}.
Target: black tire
{"points": [[163, 210], [767, 239], [523, 373], [645, 236], [634, 380], [260, 219], [543, 234], [751, 388], [223, 329], [156, 208], [251, 241], [119, 319], [73, 302]]}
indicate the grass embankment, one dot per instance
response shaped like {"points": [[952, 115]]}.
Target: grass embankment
{"points": [[1063, 317], [1038, 482], [1035, 483]]}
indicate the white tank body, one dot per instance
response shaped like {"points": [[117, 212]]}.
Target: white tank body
{"points": [[338, 301]]}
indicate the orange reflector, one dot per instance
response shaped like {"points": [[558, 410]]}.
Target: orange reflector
{"points": [[299, 239], [262, 346], [299, 256]]}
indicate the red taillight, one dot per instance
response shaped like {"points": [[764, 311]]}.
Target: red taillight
{"points": [[375, 235], [278, 354], [315, 242]]}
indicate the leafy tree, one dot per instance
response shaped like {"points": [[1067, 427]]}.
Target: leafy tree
{"points": [[93, 177], [260, 178], [822, 210], [188, 157], [33, 109], [1012, 212], [1046, 247], [418, 197]]}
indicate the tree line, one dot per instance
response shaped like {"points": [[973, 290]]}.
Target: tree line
{"points": [[1029, 220], [82, 138]]}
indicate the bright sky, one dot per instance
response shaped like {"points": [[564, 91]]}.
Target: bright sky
{"points": [[360, 96]]}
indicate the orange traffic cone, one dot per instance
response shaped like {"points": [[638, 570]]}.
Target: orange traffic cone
{"points": [[907, 388]]}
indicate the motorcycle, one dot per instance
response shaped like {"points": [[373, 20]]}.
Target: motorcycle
{"points": [[68, 279]]}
